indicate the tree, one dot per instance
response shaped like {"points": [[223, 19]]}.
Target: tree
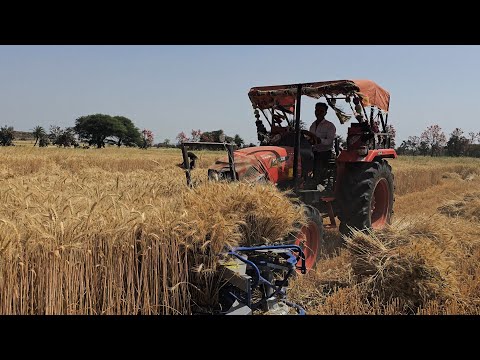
{"points": [[196, 135], [211, 136], [66, 138], [7, 136], [392, 132], [182, 137], [59, 137], [423, 148], [434, 138], [238, 141], [147, 139], [409, 146], [38, 133], [472, 137], [166, 142], [43, 141], [403, 148], [55, 132], [129, 134], [457, 144], [473, 150], [214, 136], [95, 129], [414, 143]]}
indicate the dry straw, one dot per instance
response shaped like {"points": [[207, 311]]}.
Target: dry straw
{"points": [[85, 240], [411, 261], [467, 206]]}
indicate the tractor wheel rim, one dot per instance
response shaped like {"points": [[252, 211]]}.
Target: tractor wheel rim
{"points": [[308, 241], [380, 205]]}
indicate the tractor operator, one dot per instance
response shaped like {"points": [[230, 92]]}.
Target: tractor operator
{"points": [[325, 132]]}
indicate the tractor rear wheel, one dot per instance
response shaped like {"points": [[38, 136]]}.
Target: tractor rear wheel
{"points": [[310, 237], [367, 196]]}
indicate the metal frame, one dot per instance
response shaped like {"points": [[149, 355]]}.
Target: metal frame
{"points": [[275, 292], [186, 163]]}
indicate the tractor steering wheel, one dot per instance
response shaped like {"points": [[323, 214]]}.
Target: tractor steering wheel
{"points": [[311, 137]]}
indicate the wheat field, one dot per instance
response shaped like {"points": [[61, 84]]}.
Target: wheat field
{"points": [[116, 231]]}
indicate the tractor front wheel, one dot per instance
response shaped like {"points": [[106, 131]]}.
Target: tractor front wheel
{"points": [[367, 196], [310, 237]]}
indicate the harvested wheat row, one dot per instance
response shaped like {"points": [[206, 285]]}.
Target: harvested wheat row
{"points": [[410, 267], [468, 207]]}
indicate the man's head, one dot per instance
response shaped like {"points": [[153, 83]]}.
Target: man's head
{"points": [[320, 110]]}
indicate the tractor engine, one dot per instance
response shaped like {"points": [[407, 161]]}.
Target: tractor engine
{"points": [[256, 164]]}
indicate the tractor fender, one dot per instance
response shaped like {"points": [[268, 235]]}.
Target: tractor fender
{"points": [[372, 155]]}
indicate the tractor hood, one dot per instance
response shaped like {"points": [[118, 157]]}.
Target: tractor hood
{"points": [[274, 163]]}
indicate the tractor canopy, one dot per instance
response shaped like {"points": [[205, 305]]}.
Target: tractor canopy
{"points": [[370, 93]]}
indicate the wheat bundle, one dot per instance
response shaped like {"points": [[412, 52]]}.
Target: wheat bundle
{"points": [[409, 261]]}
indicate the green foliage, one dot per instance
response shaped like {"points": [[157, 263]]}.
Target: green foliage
{"points": [[214, 136], [38, 133], [423, 148], [55, 132], [457, 144], [66, 138], [95, 129], [43, 141], [473, 150], [392, 133], [129, 135], [6, 136], [211, 136], [435, 139], [433, 142], [238, 141], [58, 136]]}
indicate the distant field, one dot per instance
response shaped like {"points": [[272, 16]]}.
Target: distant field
{"points": [[56, 205]]}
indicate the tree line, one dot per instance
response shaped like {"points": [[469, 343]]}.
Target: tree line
{"points": [[210, 136], [94, 130], [433, 142], [100, 129]]}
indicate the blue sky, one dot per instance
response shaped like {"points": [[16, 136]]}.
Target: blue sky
{"points": [[169, 89]]}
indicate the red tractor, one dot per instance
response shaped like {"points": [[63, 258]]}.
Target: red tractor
{"points": [[357, 185]]}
